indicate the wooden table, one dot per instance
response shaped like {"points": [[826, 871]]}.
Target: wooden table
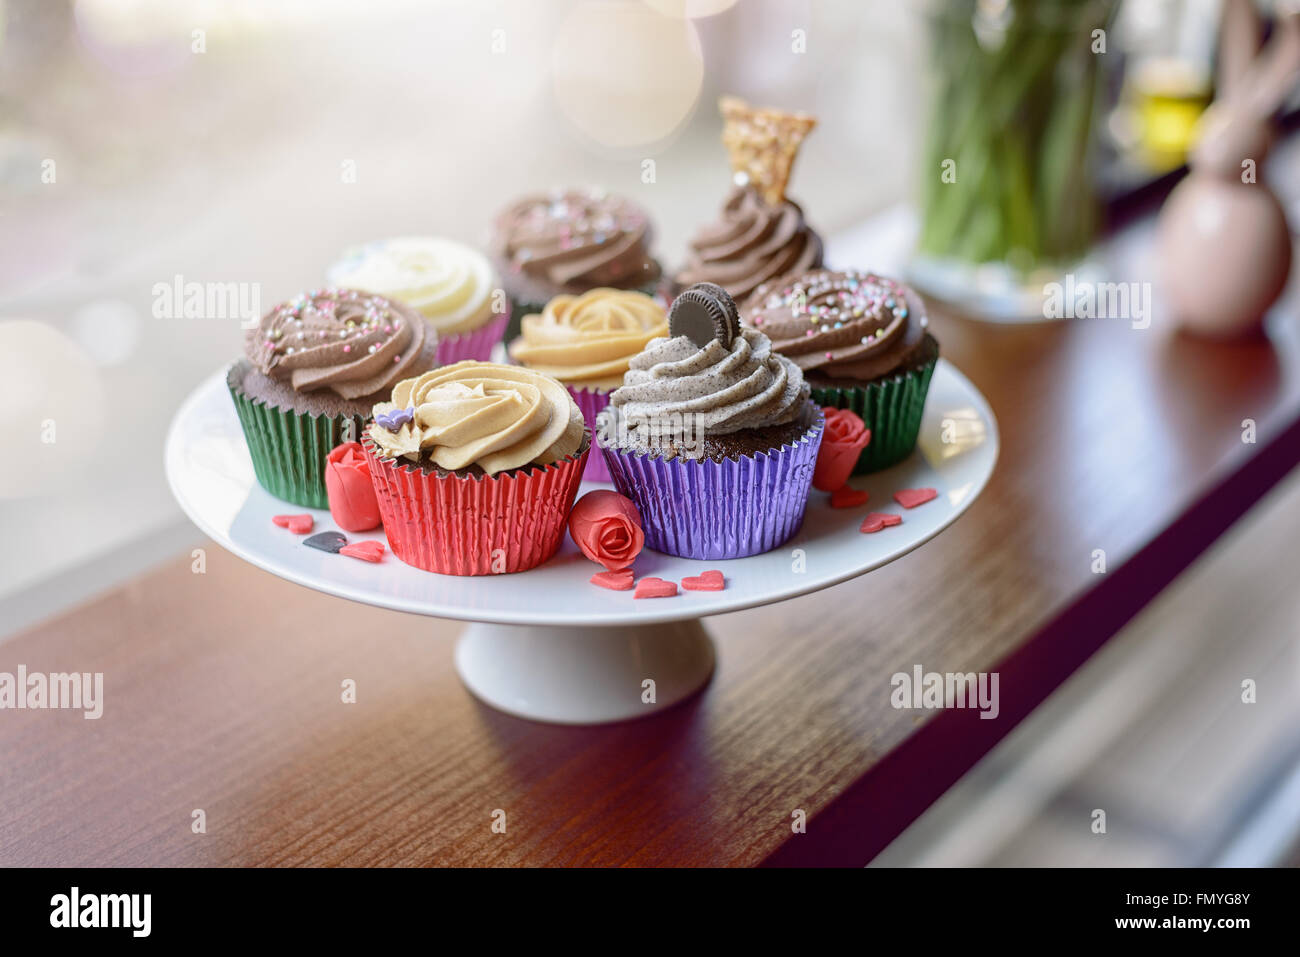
{"points": [[223, 688]]}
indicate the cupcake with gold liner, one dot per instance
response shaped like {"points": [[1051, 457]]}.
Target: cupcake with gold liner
{"points": [[451, 285], [586, 343], [712, 435], [475, 466], [312, 369], [863, 343]]}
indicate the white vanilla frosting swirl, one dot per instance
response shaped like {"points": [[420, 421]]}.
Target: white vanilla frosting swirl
{"points": [[587, 341], [448, 283], [745, 386], [496, 417]]}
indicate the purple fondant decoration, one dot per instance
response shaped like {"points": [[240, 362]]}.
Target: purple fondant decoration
{"points": [[392, 421]]}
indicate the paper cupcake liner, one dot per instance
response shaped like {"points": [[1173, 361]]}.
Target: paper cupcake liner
{"points": [[289, 448], [729, 509], [475, 344], [891, 408], [591, 402], [475, 525]]}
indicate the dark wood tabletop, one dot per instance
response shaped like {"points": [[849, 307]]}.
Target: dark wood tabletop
{"points": [[222, 689]]}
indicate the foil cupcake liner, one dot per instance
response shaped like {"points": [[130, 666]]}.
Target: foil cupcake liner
{"points": [[591, 402], [701, 508], [473, 524], [891, 407], [289, 448], [475, 344]]}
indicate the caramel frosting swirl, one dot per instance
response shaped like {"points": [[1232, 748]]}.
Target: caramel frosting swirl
{"points": [[845, 324], [495, 417], [753, 242], [448, 283], [743, 386], [350, 342], [574, 239], [586, 341]]}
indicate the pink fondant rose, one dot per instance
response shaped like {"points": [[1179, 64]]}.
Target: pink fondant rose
{"points": [[845, 437], [351, 494], [607, 528]]}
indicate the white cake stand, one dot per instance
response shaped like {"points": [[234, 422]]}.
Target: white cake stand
{"points": [[546, 644]]}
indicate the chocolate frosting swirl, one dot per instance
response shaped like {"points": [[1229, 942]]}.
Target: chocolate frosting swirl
{"points": [[353, 343], [743, 386], [752, 243], [844, 324], [575, 239]]}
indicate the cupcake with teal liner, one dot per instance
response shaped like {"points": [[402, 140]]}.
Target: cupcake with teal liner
{"points": [[313, 367], [712, 434], [586, 342], [863, 343], [451, 285], [475, 467], [570, 241]]}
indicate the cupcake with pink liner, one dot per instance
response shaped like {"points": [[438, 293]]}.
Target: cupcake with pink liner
{"points": [[712, 434], [475, 467], [586, 343], [451, 285]]}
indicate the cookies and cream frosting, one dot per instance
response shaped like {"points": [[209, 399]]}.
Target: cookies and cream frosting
{"points": [[495, 417], [724, 388], [751, 243], [587, 341], [447, 282], [352, 343], [844, 324]]}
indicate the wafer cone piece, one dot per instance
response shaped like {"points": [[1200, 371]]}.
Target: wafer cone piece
{"points": [[763, 143]]}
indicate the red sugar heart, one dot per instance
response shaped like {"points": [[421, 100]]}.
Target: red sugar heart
{"points": [[298, 524], [711, 580], [845, 497], [620, 580], [366, 551], [875, 521], [655, 588], [912, 497]]}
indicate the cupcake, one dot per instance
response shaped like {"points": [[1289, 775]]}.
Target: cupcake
{"points": [[712, 434], [475, 466], [862, 343], [451, 285], [569, 241], [313, 368], [586, 341], [760, 235]]}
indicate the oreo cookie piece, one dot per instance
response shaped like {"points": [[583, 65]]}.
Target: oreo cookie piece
{"points": [[704, 312]]}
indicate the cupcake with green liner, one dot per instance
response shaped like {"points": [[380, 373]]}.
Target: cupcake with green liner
{"points": [[569, 241], [862, 343], [451, 285], [312, 369], [712, 434], [586, 342], [475, 467]]}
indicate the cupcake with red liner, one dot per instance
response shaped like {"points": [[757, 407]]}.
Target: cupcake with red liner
{"points": [[451, 285], [313, 367], [863, 344], [842, 442], [586, 342], [475, 466], [712, 435]]}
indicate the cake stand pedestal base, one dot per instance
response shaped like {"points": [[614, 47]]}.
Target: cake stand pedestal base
{"points": [[584, 675]]}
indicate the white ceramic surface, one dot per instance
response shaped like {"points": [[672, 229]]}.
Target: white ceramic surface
{"points": [[530, 670]]}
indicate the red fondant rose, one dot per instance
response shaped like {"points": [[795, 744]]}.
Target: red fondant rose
{"points": [[842, 442], [351, 494], [607, 528]]}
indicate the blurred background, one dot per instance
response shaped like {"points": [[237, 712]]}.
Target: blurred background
{"points": [[252, 140]]}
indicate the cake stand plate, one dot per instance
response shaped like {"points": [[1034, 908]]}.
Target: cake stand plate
{"points": [[546, 644]]}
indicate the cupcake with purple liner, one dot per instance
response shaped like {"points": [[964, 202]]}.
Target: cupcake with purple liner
{"points": [[586, 342], [570, 241], [312, 369], [451, 285], [712, 434]]}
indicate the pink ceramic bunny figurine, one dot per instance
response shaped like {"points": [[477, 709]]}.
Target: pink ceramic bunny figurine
{"points": [[1223, 247]]}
